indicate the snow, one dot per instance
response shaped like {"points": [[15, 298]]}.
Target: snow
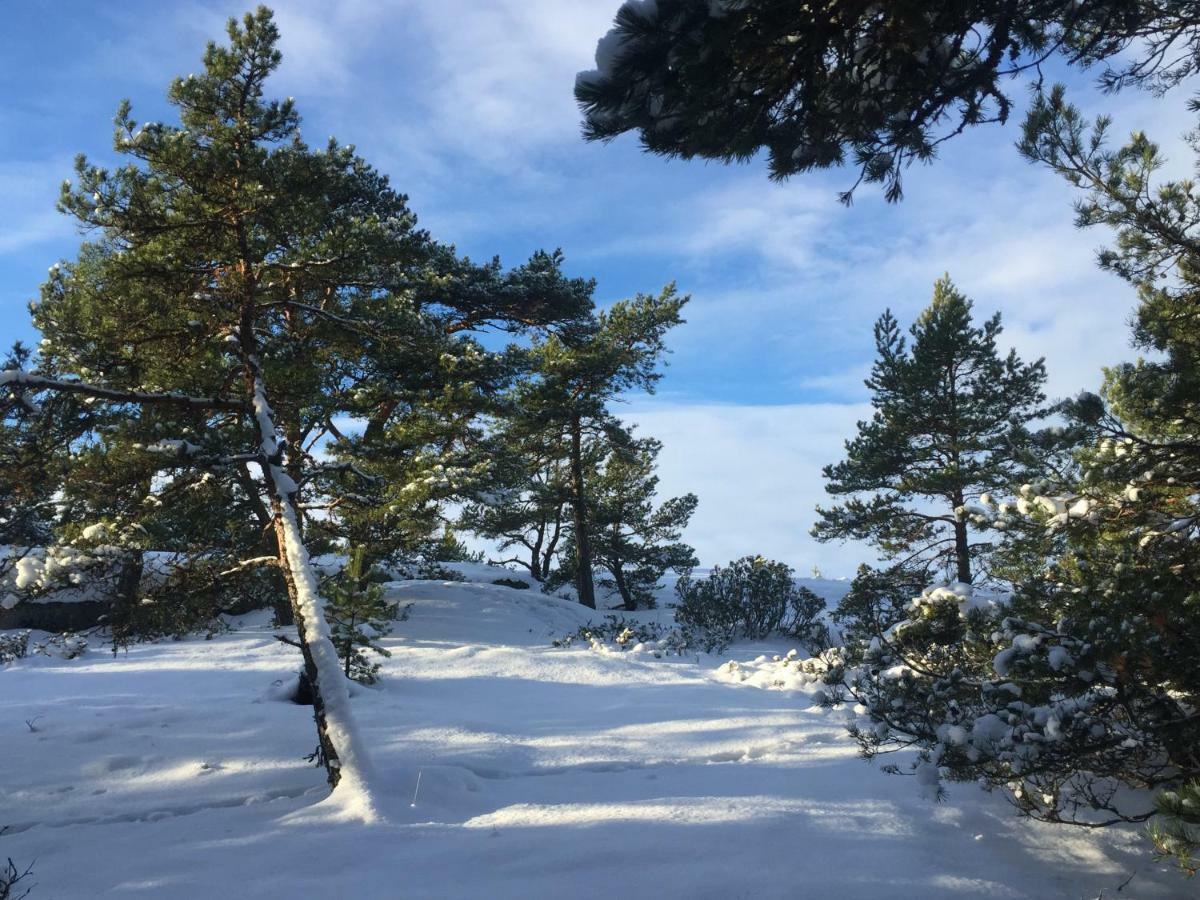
{"points": [[353, 796], [175, 770]]}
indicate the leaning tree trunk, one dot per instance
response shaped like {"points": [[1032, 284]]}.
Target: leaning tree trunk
{"points": [[583, 545], [346, 763]]}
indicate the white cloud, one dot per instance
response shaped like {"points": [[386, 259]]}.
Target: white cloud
{"points": [[28, 192], [757, 473]]}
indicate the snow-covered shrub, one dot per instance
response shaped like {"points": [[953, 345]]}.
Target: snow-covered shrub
{"points": [[752, 597], [876, 601], [67, 645], [618, 634], [424, 570], [14, 645], [793, 672]]}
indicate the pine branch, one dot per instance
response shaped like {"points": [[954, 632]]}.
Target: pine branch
{"points": [[17, 379]]}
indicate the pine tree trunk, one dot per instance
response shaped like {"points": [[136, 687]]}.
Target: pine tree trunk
{"points": [[328, 751], [344, 758], [125, 593], [962, 552], [623, 588], [583, 545]]}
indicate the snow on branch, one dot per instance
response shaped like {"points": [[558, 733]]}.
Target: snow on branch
{"points": [[16, 379]]}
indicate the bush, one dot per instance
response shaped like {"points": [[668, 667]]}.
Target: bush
{"points": [[179, 601], [615, 633], [17, 645], [13, 646], [10, 878], [753, 598], [67, 645]]}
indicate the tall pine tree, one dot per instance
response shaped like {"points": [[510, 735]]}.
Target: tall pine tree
{"points": [[949, 426], [1077, 694], [576, 374], [240, 292], [635, 540]]}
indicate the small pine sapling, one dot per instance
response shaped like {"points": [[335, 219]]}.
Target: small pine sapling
{"points": [[358, 617]]}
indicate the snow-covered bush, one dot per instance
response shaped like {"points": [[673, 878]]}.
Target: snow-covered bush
{"points": [[617, 634], [876, 601], [825, 671], [14, 645], [424, 570], [752, 597], [67, 645]]}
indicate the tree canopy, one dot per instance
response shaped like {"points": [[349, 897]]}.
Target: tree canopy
{"points": [[875, 85]]}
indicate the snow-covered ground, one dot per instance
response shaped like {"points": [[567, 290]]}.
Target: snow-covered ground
{"points": [[175, 770]]}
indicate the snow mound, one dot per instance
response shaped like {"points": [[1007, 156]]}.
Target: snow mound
{"points": [[505, 768], [482, 613], [790, 672]]}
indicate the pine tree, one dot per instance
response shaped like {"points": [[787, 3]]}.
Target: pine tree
{"points": [[430, 409], [1077, 694], [525, 505], [878, 85], [358, 616], [1176, 832], [564, 406], [31, 460], [949, 427], [240, 293], [635, 541]]}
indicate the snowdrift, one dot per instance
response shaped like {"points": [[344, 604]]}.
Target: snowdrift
{"points": [[512, 770]]}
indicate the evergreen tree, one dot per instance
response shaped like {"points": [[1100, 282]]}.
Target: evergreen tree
{"points": [[31, 460], [526, 505], [948, 429], [427, 438], [1078, 693], [636, 542], [564, 406], [240, 293], [1176, 832], [879, 85], [358, 616]]}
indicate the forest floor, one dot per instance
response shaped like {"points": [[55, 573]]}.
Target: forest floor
{"points": [[513, 769]]}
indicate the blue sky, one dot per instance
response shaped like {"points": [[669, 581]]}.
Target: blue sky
{"points": [[468, 107]]}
